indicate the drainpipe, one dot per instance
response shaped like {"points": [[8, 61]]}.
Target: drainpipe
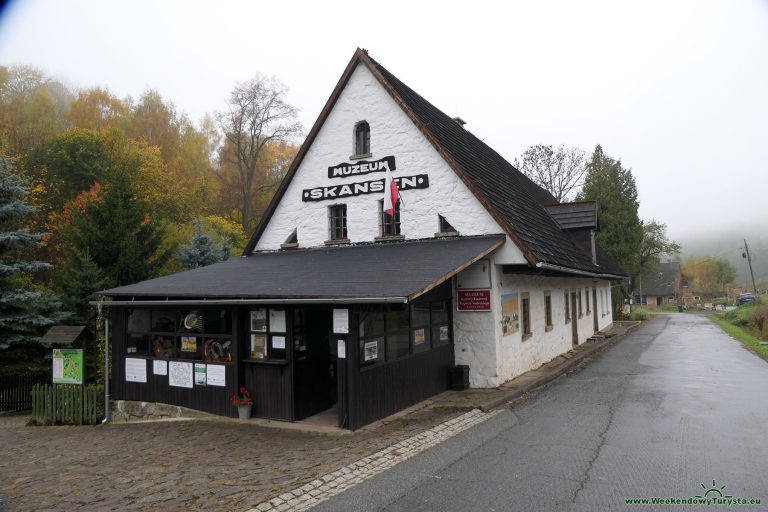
{"points": [[106, 367]]}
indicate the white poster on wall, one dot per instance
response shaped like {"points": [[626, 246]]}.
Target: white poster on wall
{"points": [[160, 367], [135, 370], [278, 342], [180, 374], [341, 349], [341, 321], [217, 375]]}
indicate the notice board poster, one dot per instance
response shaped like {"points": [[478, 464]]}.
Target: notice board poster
{"points": [[473, 300], [216, 375], [135, 369], [510, 313], [180, 375]]}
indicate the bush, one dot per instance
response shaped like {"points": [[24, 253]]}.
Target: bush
{"points": [[639, 315], [758, 316]]}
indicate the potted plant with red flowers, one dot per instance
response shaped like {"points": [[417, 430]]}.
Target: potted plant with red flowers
{"points": [[242, 399]]}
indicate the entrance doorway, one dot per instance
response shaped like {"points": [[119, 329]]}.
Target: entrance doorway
{"points": [[314, 368], [574, 319]]}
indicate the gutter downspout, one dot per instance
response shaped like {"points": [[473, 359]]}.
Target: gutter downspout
{"points": [[106, 371]]}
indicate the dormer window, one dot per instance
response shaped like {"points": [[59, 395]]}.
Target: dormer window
{"points": [[362, 139], [445, 227]]}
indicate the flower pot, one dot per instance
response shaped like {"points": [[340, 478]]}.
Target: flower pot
{"points": [[244, 411]]}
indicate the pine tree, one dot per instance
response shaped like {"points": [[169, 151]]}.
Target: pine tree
{"points": [[77, 279], [25, 309], [202, 250], [119, 234]]}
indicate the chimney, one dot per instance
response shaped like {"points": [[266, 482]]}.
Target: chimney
{"points": [[460, 121]]}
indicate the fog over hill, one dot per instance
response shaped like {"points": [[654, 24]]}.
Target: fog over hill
{"points": [[729, 244]]}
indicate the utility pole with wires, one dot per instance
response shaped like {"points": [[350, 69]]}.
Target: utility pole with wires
{"points": [[746, 255]]}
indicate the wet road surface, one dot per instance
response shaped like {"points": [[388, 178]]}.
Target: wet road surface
{"points": [[669, 410]]}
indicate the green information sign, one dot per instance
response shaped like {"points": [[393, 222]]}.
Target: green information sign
{"points": [[67, 366]]}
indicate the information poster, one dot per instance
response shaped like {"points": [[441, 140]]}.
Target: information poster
{"points": [[135, 370], [160, 367], [443, 333], [277, 320], [341, 349], [278, 342], [180, 374], [258, 346], [200, 374], [510, 311], [259, 320], [341, 321], [371, 351], [68, 366], [216, 375], [419, 337]]}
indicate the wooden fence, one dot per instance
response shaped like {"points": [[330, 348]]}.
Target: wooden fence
{"points": [[67, 404], [16, 393]]}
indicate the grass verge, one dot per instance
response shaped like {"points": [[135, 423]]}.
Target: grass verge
{"points": [[739, 334]]}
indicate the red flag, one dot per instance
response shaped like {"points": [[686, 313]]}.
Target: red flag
{"points": [[391, 193]]}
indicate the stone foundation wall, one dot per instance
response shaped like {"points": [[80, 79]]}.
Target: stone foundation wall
{"points": [[128, 410]]}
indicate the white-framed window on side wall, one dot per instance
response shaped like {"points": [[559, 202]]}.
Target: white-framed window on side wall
{"points": [[547, 310], [581, 313], [362, 139], [567, 307], [586, 297]]}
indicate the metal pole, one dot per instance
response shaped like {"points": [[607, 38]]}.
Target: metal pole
{"points": [[106, 370]]}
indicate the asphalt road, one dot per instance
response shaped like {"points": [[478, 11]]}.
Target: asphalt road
{"points": [[673, 407]]}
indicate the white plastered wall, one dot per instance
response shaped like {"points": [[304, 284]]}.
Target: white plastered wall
{"points": [[392, 133], [493, 358]]}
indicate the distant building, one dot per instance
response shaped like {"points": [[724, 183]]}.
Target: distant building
{"points": [[662, 286]]}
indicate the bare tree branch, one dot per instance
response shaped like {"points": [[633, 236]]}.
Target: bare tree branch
{"points": [[559, 170], [257, 115]]}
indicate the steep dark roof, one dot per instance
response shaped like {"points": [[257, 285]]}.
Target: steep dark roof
{"points": [[394, 269], [581, 215], [513, 200], [663, 280]]}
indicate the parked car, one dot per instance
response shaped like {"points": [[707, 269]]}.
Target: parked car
{"points": [[744, 298]]}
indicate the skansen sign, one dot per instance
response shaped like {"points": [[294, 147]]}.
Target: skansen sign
{"points": [[362, 167], [363, 187]]}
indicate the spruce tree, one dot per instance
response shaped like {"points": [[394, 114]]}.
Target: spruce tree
{"points": [[25, 309], [120, 236], [202, 250], [614, 189], [77, 279]]}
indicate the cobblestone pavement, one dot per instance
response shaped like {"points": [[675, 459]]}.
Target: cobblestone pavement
{"points": [[307, 496], [174, 465]]}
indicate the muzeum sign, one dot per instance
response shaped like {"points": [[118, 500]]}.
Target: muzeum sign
{"points": [[362, 187]]}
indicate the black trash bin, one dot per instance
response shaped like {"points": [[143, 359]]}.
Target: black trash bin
{"points": [[458, 377]]}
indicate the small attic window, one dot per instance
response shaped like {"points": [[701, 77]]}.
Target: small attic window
{"points": [[292, 241], [362, 139], [444, 227]]}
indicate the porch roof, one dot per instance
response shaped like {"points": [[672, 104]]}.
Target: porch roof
{"points": [[402, 270]]}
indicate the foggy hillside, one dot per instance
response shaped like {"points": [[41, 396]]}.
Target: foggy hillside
{"points": [[730, 245]]}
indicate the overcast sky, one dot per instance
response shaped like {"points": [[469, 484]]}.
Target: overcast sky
{"points": [[677, 89]]}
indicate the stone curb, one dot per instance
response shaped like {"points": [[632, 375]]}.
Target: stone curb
{"points": [[327, 486], [554, 374]]}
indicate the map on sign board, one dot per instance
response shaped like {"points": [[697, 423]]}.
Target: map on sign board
{"points": [[68, 366]]}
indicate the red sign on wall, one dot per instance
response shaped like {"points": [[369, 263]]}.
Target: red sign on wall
{"points": [[473, 300]]}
